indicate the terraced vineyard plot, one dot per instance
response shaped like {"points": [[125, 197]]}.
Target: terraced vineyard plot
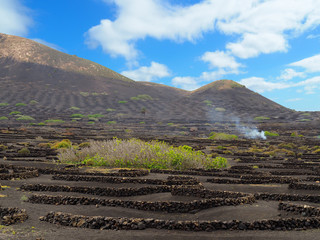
{"points": [[258, 195]]}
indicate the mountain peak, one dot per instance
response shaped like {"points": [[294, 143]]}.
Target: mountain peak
{"points": [[223, 84]]}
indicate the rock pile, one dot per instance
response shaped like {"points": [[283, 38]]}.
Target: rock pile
{"points": [[10, 216], [102, 223]]}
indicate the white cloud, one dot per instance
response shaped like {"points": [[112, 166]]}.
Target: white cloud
{"points": [[221, 59], [14, 18], [313, 36], [310, 85], [294, 100], [260, 85], [186, 83], [311, 64], [258, 26], [51, 45], [148, 74], [290, 73], [251, 45], [192, 83]]}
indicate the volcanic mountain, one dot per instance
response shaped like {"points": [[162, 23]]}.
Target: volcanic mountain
{"points": [[44, 83]]}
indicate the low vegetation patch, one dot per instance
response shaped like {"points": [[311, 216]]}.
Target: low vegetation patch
{"points": [[84, 94], [33, 102], [74, 108], [21, 105], [24, 151], [142, 97], [65, 143], [3, 104], [208, 103], [135, 153], [222, 136], [122, 101], [296, 134], [3, 118], [110, 110], [219, 109], [95, 115], [77, 115], [25, 118], [111, 122], [15, 113], [261, 118], [54, 121], [305, 120], [271, 134]]}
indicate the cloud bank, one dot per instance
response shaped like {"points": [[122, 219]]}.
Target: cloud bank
{"points": [[14, 18], [260, 27]]}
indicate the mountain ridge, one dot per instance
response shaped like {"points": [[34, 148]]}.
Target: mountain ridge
{"points": [[30, 71]]}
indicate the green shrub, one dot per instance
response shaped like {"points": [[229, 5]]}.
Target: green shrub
{"points": [[110, 110], [33, 102], [21, 104], [304, 120], [255, 167], [77, 115], [261, 118], [15, 113], [170, 124], [54, 121], [95, 116], [84, 145], [219, 109], [220, 147], [41, 124], [74, 108], [271, 134], [222, 136], [207, 102], [111, 122], [122, 101], [139, 154], [287, 145], [24, 151], [84, 94], [4, 104], [142, 97], [142, 122], [3, 118], [3, 147], [295, 134], [25, 118], [65, 143], [316, 151]]}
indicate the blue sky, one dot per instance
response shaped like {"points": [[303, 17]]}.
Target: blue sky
{"points": [[272, 47]]}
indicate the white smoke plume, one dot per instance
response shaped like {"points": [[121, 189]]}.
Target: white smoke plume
{"points": [[252, 133], [249, 132]]}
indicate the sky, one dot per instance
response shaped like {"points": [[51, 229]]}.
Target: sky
{"points": [[270, 46]]}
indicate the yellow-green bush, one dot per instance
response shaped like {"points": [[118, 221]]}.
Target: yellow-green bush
{"points": [[222, 136], [135, 153], [65, 143]]}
